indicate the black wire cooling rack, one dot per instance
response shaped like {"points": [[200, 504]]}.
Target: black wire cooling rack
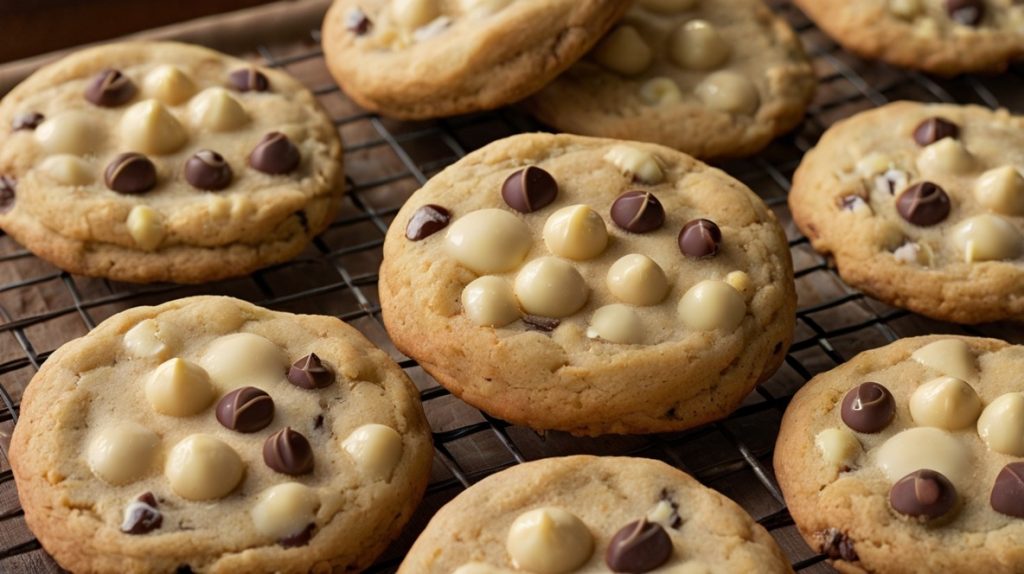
{"points": [[42, 307]]}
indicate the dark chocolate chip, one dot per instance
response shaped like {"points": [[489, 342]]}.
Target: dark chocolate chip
{"points": [[27, 121], [130, 173], [246, 409], [110, 88], [275, 154], [318, 422], [638, 212], [300, 539], [207, 170], [923, 204], [357, 22], [249, 80], [142, 515], [426, 221], [837, 545], [868, 408], [924, 494], [310, 372], [1008, 491], [966, 12], [932, 130], [184, 569], [288, 452], [8, 189], [538, 323], [529, 189], [700, 238], [303, 219], [639, 546]]}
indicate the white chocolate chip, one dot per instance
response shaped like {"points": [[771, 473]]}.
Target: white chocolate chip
{"points": [[741, 282], [986, 238], [576, 232], [489, 301], [145, 226], [838, 447], [549, 540], [624, 51], [667, 6], [665, 513], [906, 9], [482, 7], [912, 252], [150, 339], [411, 14], [201, 467], [638, 280], [122, 453], [925, 447], [550, 287], [636, 163], [149, 127], [950, 357], [616, 323], [946, 403], [712, 305], [67, 169], [891, 181], [169, 84], [946, 156], [285, 510], [489, 240], [241, 358], [179, 388], [1001, 424], [855, 204], [873, 164], [375, 448], [217, 110], [70, 132], [730, 92], [697, 45], [1001, 190], [661, 91]]}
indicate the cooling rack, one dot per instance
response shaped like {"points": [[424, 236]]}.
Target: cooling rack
{"points": [[42, 307]]}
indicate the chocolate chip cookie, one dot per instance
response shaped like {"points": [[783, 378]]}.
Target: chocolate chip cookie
{"points": [[908, 458], [944, 37], [589, 285], [712, 78], [418, 59], [592, 514], [922, 206], [156, 161], [211, 435]]}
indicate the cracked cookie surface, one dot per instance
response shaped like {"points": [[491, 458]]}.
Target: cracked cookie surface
{"points": [[589, 285], [581, 514], [418, 59], [922, 206], [159, 161], [907, 458], [211, 434]]}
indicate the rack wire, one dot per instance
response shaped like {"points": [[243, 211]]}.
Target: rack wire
{"points": [[42, 307]]}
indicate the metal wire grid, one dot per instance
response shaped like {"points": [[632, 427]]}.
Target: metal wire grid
{"points": [[834, 321]]}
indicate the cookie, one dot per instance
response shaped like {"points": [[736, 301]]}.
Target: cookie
{"points": [[908, 458], [945, 37], [418, 59], [589, 285], [713, 78], [156, 161], [922, 207], [211, 435], [592, 514]]}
